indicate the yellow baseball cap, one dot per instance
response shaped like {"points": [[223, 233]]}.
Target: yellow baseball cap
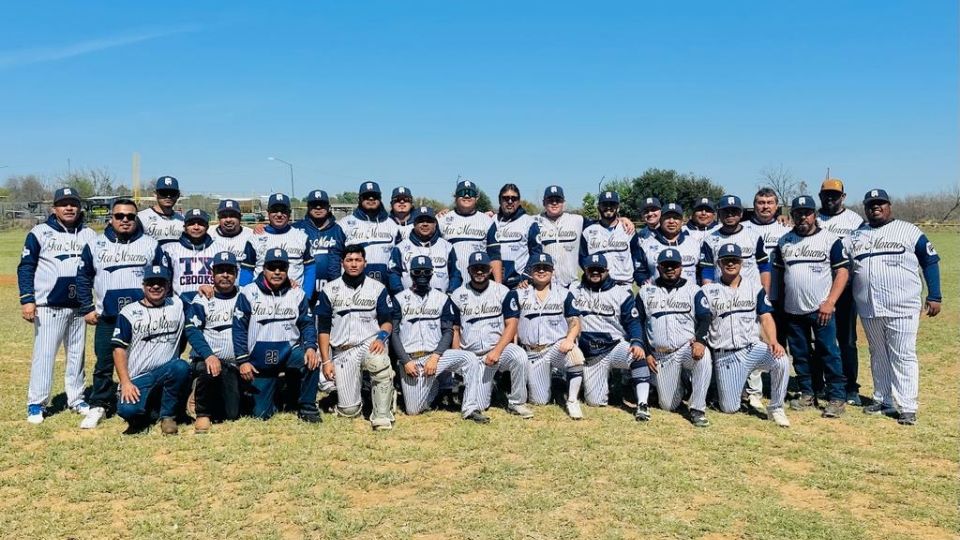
{"points": [[832, 184]]}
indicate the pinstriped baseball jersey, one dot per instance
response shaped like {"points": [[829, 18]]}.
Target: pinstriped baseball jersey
{"points": [[235, 244], [841, 224], [517, 236], [734, 313], [885, 269], [161, 228], [669, 314], [560, 239], [353, 315], [190, 263], [469, 234], [481, 314], [294, 241], [268, 324], [751, 246], [420, 319], [650, 248], [543, 322], [110, 274], [213, 319], [47, 273], [807, 263], [771, 234], [377, 236], [608, 315], [445, 278], [615, 244], [699, 233], [151, 334]]}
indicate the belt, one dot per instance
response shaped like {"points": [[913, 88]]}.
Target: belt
{"points": [[419, 355], [536, 348], [342, 348], [624, 282], [720, 352], [666, 350]]}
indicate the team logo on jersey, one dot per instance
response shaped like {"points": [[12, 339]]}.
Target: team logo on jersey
{"points": [[930, 250], [704, 303], [116, 332], [513, 304], [634, 313], [26, 251], [238, 313]]}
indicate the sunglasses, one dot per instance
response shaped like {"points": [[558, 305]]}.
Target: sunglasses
{"points": [[276, 267], [168, 194], [421, 273], [225, 269], [403, 200], [730, 261], [370, 196], [278, 210], [467, 194], [553, 200], [120, 216], [542, 268], [596, 270], [669, 266], [155, 284], [509, 198]]}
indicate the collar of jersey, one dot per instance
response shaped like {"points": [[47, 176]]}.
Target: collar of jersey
{"points": [[221, 296], [381, 216], [407, 221], [273, 230], [605, 286], [112, 234], [55, 224], [265, 287], [186, 242], [694, 226], [663, 240], [670, 286], [516, 215], [417, 241], [307, 223]]}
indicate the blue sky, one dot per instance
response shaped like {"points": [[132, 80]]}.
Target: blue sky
{"points": [[527, 92]]}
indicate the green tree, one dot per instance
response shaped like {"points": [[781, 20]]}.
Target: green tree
{"points": [[589, 208], [347, 197], [483, 202], [665, 184]]}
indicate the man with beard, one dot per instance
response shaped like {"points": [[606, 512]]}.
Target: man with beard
{"points": [[161, 221], [470, 231], [401, 210], [670, 234], [370, 227], [608, 237], [516, 232], [230, 233]]}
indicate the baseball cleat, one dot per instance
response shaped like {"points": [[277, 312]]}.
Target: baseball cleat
{"points": [[907, 419], [310, 418], [521, 410], [573, 409], [699, 418], [92, 418], [756, 403], [779, 416], [643, 413], [35, 414], [478, 417]]}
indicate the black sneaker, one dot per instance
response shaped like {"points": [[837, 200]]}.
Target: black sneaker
{"points": [[643, 413], [878, 408], [907, 419], [478, 417], [834, 409], [805, 401], [699, 418], [310, 418]]}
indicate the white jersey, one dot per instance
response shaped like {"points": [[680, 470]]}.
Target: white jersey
{"points": [[235, 244], [161, 228], [191, 264], [378, 237], [807, 264], [734, 313], [543, 322], [150, 334], [420, 326], [771, 234], [47, 273], [517, 237], [110, 274], [608, 316], [841, 224], [751, 247], [650, 248], [885, 268], [469, 234], [212, 318], [560, 239], [353, 315], [480, 315], [293, 240], [445, 278], [268, 324], [669, 315], [615, 244], [698, 233]]}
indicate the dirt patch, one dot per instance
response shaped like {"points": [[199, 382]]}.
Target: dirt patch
{"points": [[8, 280]]}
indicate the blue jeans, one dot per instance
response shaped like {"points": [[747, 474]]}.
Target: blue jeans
{"points": [[171, 379], [263, 388], [827, 354]]}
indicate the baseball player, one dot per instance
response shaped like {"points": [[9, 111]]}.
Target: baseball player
{"points": [[273, 332], [110, 276], [189, 258], [650, 211], [209, 329], [424, 240], [487, 325], [326, 237], [609, 238], [470, 231], [736, 305], [703, 221], [814, 269], [611, 335], [355, 318], [146, 343], [47, 277], [401, 210], [423, 323], [161, 221], [888, 255], [840, 221], [370, 227], [675, 333], [548, 330], [517, 233], [764, 221], [670, 234], [279, 234], [229, 232]]}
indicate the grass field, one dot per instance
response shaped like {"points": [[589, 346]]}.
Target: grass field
{"points": [[438, 477]]}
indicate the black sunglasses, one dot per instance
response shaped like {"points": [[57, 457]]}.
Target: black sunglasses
{"points": [[467, 194], [276, 267], [542, 268], [224, 269], [168, 194], [420, 272], [509, 198], [120, 216]]}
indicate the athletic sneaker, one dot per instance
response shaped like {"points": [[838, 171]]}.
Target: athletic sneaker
{"points": [[834, 409], [310, 417], [853, 398], [521, 410], [81, 408], [643, 413], [879, 408], [805, 401], [381, 424], [35, 413], [699, 418], [478, 417], [779, 416], [573, 409], [907, 419], [756, 403], [92, 418]]}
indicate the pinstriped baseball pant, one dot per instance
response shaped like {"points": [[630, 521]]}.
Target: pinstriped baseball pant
{"points": [[51, 327], [538, 374], [347, 367], [734, 367], [670, 367], [893, 360], [514, 360], [596, 372], [419, 392]]}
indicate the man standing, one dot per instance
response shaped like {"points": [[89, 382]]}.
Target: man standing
{"points": [[274, 332], [146, 353], [326, 237], [487, 325], [703, 221], [764, 221], [423, 322], [109, 277], [231, 234], [355, 318], [840, 221], [424, 240], [47, 277], [609, 238], [470, 231], [161, 221], [401, 208], [189, 258], [650, 212], [279, 234], [370, 227], [517, 234], [670, 234], [888, 256]]}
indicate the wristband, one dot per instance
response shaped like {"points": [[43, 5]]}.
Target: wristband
{"points": [[383, 335]]}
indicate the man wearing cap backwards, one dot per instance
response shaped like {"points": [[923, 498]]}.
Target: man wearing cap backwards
{"points": [[401, 210], [470, 231], [888, 256], [326, 237], [834, 217], [273, 333], [424, 240], [650, 212], [423, 335], [703, 221], [814, 269], [670, 234], [146, 353], [608, 237], [189, 258], [738, 309], [110, 276], [229, 231], [516, 232], [47, 277], [370, 227], [209, 329], [548, 330], [675, 335], [279, 234], [161, 221], [485, 324]]}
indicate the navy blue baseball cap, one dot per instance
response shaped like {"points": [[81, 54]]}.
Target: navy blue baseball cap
{"points": [[167, 183], [876, 195], [400, 192], [596, 261], [609, 197], [729, 201], [705, 202], [369, 187], [651, 202], [424, 212], [672, 208], [542, 259], [803, 202], [196, 214], [553, 192], [728, 251], [669, 255], [278, 199], [276, 255], [156, 271], [66, 194], [467, 187], [421, 262], [224, 258], [478, 258], [318, 195], [228, 205]]}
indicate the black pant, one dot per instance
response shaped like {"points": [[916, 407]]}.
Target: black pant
{"points": [[104, 390], [217, 397]]}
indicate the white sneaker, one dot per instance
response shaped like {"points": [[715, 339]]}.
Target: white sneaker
{"points": [[81, 408], [35, 414], [573, 409], [756, 403], [92, 418], [779, 416], [521, 410]]}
